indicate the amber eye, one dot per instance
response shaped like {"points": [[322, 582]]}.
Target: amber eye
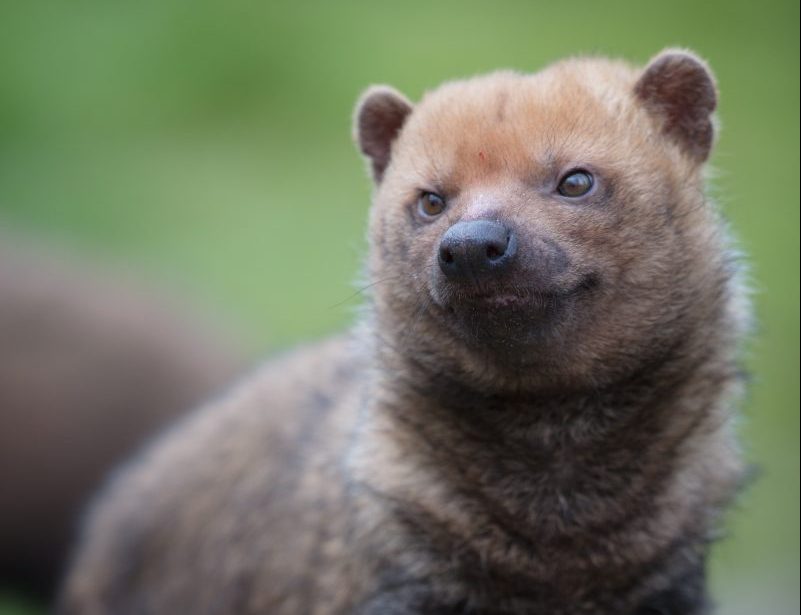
{"points": [[431, 204], [575, 183]]}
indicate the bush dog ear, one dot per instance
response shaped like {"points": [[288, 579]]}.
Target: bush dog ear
{"points": [[679, 90], [380, 114]]}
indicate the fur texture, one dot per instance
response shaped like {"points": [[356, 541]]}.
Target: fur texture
{"points": [[553, 440]]}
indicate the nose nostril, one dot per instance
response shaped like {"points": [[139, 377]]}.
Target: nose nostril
{"points": [[446, 255], [493, 253]]}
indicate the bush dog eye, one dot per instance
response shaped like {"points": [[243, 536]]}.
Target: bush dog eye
{"points": [[576, 183], [430, 205]]}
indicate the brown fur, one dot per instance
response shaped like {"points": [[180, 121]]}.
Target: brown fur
{"points": [[557, 442], [90, 366]]}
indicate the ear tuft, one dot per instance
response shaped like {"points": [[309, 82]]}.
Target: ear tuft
{"points": [[678, 88], [380, 114]]}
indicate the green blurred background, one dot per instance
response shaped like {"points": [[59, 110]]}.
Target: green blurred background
{"points": [[209, 144]]}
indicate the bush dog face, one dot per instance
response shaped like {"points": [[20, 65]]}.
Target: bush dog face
{"points": [[550, 225]]}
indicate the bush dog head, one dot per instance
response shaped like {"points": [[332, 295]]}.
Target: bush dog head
{"points": [[542, 231]]}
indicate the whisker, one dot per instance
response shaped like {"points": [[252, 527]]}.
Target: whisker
{"points": [[363, 289]]}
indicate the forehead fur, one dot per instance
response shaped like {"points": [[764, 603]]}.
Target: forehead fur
{"points": [[575, 112]]}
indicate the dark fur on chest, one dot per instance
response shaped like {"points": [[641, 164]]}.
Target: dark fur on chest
{"points": [[544, 503]]}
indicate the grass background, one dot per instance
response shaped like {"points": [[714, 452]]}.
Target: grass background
{"points": [[208, 143]]}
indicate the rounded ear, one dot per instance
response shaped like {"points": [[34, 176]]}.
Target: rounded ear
{"points": [[380, 114], [679, 90]]}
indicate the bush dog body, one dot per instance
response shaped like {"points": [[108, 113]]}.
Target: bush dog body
{"points": [[533, 415]]}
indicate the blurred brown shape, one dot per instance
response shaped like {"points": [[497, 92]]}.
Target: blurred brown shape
{"points": [[90, 365]]}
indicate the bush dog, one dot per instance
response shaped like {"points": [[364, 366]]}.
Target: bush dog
{"points": [[532, 416]]}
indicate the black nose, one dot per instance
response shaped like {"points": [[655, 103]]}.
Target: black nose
{"points": [[476, 248]]}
